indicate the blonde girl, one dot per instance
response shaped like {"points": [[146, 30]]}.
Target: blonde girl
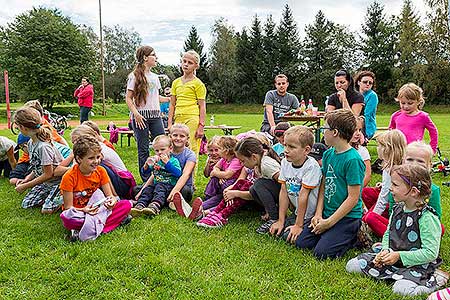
{"points": [[183, 189], [43, 159], [410, 247], [391, 149], [213, 155], [356, 142], [410, 119], [143, 101], [422, 154], [187, 103]]}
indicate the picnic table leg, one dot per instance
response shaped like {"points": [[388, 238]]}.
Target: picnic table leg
{"points": [[227, 131], [121, 136], [129, 137]]}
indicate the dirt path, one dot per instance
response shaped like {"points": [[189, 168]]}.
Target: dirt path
{"points": [[73, 123]]}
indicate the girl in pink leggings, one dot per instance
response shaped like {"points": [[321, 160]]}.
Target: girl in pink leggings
{"points": [[87, 212]]}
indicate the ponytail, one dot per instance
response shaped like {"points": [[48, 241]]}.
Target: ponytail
{"points": [[271, 153], [44, 133]]}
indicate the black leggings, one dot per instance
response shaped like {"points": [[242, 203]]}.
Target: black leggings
{"points": [[266, 192]]}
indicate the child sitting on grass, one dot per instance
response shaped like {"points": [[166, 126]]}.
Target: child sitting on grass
{"points": [[279, 131], [224, 174], [356, 142], [83, 185], [213, 150], [43, 160], [334, 227], [300, 178], [7, 158], [165, 170], [391, 149], [410, 248]]}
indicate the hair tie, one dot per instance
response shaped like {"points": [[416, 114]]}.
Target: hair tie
{"points": [[38, 126], [405, 179]]}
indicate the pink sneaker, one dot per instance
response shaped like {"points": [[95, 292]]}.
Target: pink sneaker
{"points": [[213, 220], [181, 206], [196, 208]]}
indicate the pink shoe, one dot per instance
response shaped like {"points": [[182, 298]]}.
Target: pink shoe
{"points": [[196, 208], [181, 206], [212, 220]]}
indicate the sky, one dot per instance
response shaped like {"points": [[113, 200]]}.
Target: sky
{"points": [[164, 25]]}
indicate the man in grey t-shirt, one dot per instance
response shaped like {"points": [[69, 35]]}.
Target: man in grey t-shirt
{"points": [[277, 102]]}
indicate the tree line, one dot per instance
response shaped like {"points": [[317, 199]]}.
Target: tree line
{"points": [[46, 54]]}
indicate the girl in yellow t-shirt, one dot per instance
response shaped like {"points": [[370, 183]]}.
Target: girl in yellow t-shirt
{"points": [[187, 104]]}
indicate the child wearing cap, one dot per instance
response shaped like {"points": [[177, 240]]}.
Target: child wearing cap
{"points": [[7, 159], [317, 151], [279, 135]]}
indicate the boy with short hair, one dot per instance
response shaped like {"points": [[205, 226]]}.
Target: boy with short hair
{"points": [[165, 170], [300, 177], [334, 227]]}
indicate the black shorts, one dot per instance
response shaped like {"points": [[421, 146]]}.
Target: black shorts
{"points": [[21, 171]]}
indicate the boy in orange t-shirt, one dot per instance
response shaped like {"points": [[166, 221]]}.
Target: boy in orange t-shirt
{"points": [[81, 186]]}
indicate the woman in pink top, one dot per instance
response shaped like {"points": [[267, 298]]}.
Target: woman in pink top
{"points": [[85, 95], [410, 119]]}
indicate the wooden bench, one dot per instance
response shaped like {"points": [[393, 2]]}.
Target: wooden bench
{"points": [[227, 130]]}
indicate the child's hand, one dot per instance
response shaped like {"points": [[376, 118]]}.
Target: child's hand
{"points": [[390, 258], [294, 232], [378, 260], [314, 221], [228, 195], [90, 210], [164, 158], [321, 226], [276, 228], [151, 160], [111, 202], [20, 188]]}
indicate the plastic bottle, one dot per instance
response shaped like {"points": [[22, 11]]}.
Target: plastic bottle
{"points": [[302, 107], [211, 120], [309, 109]]}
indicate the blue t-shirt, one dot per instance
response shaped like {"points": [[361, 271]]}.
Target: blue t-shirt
{"points": [[164, 107], [183, 157], [341, 170], [370, 112]]}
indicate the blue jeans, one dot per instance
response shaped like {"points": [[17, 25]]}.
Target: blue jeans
{"points": [[156, 192], [153, 126], [84, 113], [332, 243]]}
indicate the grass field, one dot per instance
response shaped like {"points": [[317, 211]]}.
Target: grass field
{"points": [[169, 257]]}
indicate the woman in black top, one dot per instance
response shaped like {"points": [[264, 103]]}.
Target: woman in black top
{"points": [[346, 96]]}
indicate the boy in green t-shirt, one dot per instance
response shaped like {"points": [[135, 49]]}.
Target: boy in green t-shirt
{"points": [[334, 227]]}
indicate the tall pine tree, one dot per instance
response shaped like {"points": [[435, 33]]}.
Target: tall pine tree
{"points": [[194, 42], [378, 40], [223, 69], [288, 47], [270, 52]]}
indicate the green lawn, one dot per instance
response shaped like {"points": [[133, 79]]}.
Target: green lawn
{"points": [[169, 257]]}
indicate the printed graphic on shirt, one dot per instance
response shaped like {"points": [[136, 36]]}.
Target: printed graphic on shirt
{"points": [[330, 185], [293, 186]]}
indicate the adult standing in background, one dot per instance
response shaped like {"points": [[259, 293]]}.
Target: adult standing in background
{"points": [[276, 103], [346, 96], [364, 83], [85, 95], [187, 103], [143, 101]]}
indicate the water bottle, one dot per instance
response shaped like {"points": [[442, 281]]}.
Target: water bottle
{"points": [[302, 107], [309, 109], [211, 121]]}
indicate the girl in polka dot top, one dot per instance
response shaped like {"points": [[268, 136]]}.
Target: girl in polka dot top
{"points": [[410, 246]]}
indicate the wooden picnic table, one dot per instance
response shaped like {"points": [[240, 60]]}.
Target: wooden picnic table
{"points": [[306, 120], [227, 130], [128, 133]]}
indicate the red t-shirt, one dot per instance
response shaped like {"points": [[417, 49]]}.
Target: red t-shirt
{"points": [[83, 186]]}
